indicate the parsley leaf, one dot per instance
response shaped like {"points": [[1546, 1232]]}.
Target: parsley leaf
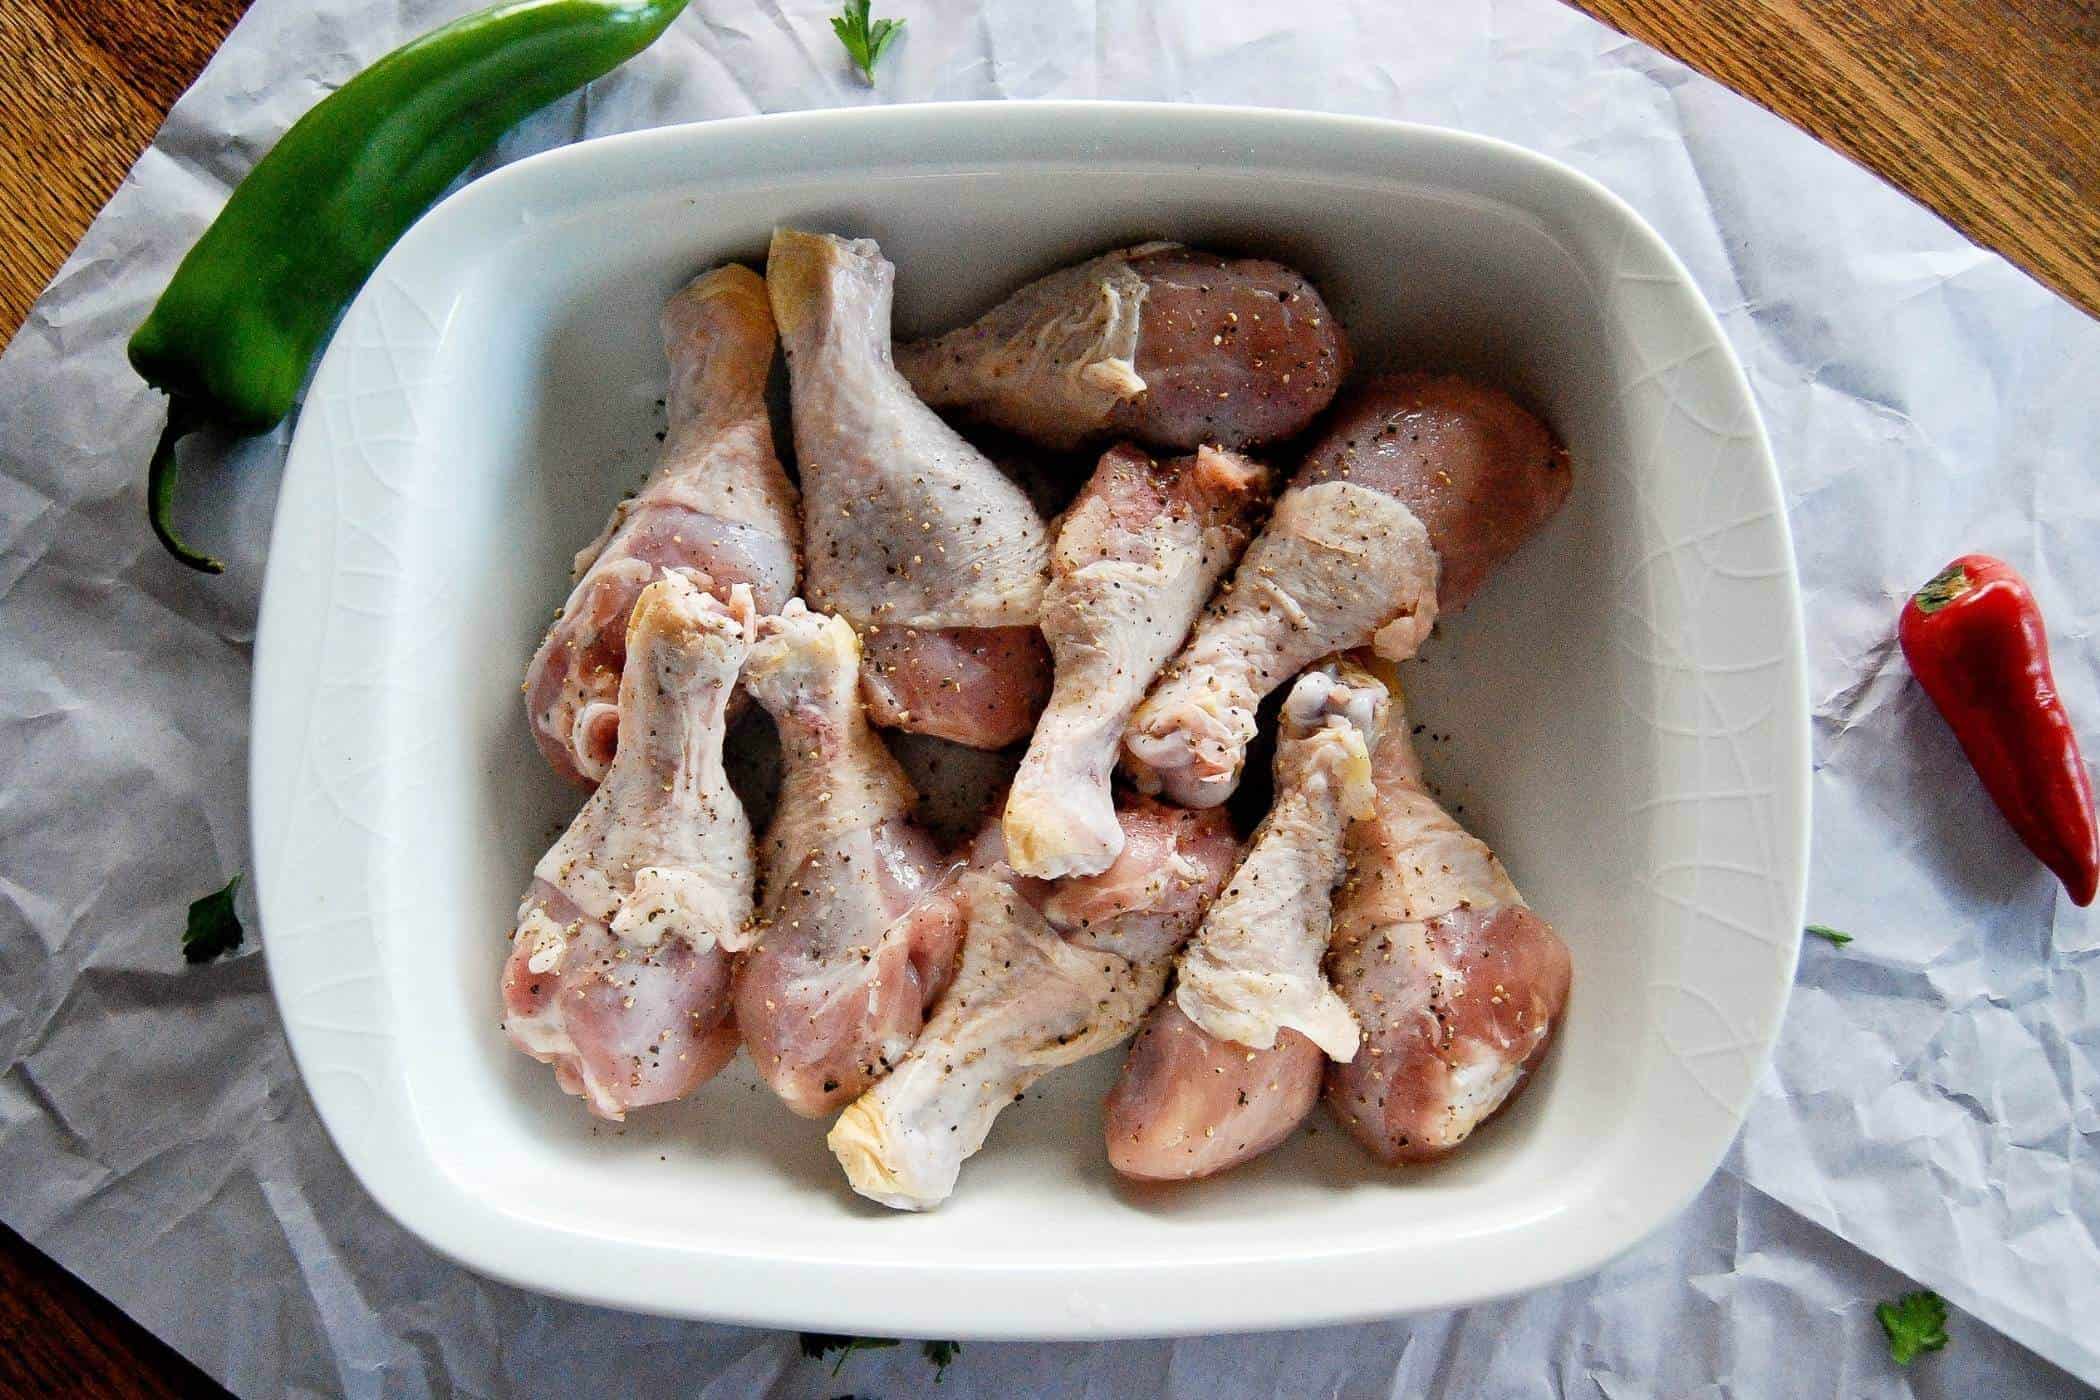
{"points": [[942, 1355], [864, 39], [818, 1345], [1915, 1322], [213, 927], [1826, 931]]}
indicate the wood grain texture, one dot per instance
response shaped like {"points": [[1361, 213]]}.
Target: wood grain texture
{"points": [[58, 1338], [1985, 110], [86, 85]]}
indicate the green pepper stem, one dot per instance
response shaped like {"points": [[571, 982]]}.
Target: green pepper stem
{"points": [[183, 419], [1943, 588]]}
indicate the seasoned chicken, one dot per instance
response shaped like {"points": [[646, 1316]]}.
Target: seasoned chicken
{"points": [[1480, 472], [858, 932], [618, 973], [1254, 967], [980, 686], [1232, 1061], [717, 504], [1190, 1105], [1051, 973], [1458, 986], [909, 530], [1418, 489], [1134, 558], [1166, 344]]}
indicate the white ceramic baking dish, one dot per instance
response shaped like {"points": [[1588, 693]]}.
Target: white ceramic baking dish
{"points": [[1625, 709]]}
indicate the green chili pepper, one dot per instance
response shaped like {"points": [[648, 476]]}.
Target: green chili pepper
{"points": [[231, 338]]}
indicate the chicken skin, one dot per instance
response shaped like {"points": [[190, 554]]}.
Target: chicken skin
{"points": [[618, 974], [980, 686], [858, 932], [911, 534], [1189, 1105], [1420, 486], [1228, 1065], [1051, 973], [718, 505], [1170, 345], [1134, 558], [1458, 985]]}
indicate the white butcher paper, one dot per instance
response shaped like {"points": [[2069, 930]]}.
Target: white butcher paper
{"points": [[1930, 1116]]}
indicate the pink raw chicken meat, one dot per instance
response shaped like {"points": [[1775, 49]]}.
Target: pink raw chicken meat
{"points": [[912, 535], [1172, 346], [1134, 558], [1457, 984], [718, 506], [1228, 1065], [1052, 972], [1419, 486], [859, 930], [618, 973]]}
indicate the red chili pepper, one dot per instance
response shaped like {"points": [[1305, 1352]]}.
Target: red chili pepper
{"points": [[1975, 642]]}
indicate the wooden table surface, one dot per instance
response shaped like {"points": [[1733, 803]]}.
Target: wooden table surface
{"points": [[1985, 110]]}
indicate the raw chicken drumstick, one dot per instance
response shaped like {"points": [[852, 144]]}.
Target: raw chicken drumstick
{"points": [[858, 934], [1159, 342], [717, 504], [1134, 558], [1418, 489], [1051, 973], [1457, 984], [911, 535], [1228, 1065], [618, 973]]}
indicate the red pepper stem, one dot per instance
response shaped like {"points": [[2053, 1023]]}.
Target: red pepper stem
{"points": [[183, 419], [1943, 588]]}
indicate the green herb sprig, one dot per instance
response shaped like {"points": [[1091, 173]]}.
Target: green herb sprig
{"points": [[942, 1355], [865, 39], [1916, 1322], [816, 1346], [213, 926]]}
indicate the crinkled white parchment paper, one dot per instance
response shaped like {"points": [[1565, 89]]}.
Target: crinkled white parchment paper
{"points": [[1932, 1113]]}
